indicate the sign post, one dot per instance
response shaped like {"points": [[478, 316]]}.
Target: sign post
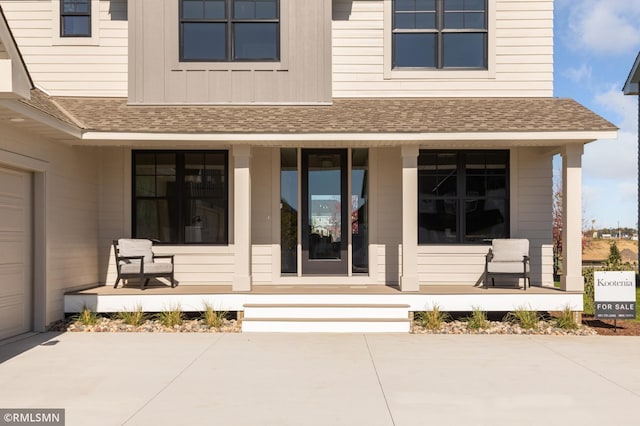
{"points": [[615, 295]]}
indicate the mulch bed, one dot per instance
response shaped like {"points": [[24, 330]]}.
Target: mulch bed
{"points": [[606, 327]]}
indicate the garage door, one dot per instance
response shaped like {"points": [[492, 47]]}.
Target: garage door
{"points": [[15, 253]]}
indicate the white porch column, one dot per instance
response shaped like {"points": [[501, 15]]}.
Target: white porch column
{"points": [[572, 279], [242, 217], [409, 277]]}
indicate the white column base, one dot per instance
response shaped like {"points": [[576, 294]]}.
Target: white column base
{"points": [[241, 283], [572, 283], [409, 283]]}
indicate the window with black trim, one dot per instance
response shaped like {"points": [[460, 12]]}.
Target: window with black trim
{"points": [[75, 18], [229, 30], [463, 196], [180, 197], [440, 34]]}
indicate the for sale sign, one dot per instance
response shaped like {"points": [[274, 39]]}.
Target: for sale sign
{"points": [[615, 294]]}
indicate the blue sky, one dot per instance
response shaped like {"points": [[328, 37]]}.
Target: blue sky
{"points": [[596, 43]]}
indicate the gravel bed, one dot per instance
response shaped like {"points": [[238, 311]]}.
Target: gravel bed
{"points": [[503, 327], [111, 325]]}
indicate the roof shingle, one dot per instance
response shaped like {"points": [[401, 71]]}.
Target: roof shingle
{"points": [[362, 115]]}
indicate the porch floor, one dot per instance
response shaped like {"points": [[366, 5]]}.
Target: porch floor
{"points": [[134, 289], [155, 298]]}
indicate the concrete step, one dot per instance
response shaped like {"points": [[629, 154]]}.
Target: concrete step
{"points": [[326, 318], [326, 325], [326, 311]]}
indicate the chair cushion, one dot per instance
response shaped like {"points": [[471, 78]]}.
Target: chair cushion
{"points": [[136, 247], [149, 268], [509, 250], [506, 267]]}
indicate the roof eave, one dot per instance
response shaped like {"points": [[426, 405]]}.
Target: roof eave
{"points": [[15, 80], [632, 85], [553, 137]]}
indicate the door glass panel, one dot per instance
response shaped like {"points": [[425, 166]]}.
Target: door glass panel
{"points": [[325, 214], [360, 210], [289, 210]]}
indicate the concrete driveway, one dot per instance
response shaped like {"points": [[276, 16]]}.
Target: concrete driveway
{"points": [[324, 379]]}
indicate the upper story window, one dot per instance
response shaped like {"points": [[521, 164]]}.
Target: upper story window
{"points": [[440, 34], [229, 30], [75, 18]]}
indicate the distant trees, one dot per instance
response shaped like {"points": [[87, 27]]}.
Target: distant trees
{"points": [[557, 230]]}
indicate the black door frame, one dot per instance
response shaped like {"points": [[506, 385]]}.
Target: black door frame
{"points": [[326, 266]]}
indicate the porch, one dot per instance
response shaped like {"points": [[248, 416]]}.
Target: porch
{"points": [[155, 298], [322, 308]]}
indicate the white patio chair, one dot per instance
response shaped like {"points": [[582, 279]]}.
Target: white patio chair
{"points": [[508, 257], [135, 259]]}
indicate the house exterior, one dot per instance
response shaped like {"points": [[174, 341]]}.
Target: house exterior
{"points": [[280, 143]]}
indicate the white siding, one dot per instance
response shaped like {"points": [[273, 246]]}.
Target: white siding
{"points": [[71, 211], [533, 204], [458, 264], [530, 216], [68, 70], [386, 216], [522, 63], [194, 265]]}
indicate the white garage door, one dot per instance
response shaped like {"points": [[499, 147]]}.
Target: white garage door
{"points": [[15, 253]]}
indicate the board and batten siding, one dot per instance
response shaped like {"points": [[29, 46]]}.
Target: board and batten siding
{"points": [[302, 76], [67, 212], [194, 264], [520, 54], [62, 68], [264, 162]]}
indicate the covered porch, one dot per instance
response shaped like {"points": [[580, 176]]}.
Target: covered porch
{"points": [[155, 298]]}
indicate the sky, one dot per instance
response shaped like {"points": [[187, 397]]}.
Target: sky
{"points": [[596, 43]]}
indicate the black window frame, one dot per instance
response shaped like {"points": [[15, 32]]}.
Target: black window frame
{"points": [[440, 32], [462, 198], [64, 14], [181, 196], [229, 22]]}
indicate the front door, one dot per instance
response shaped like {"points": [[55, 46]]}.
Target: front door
{"points": [[324, 212]]}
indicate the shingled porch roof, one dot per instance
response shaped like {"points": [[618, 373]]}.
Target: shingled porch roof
{"points": [[345, 115]]}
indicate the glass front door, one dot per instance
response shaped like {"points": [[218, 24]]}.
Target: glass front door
{"points": [[324, 212]]}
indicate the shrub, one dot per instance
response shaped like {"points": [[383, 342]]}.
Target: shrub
{"points": [[171, 317], [213, 318], [432, 319], [525, 318], [478, 320], [566, 320], [136, 317], [87, 317]]}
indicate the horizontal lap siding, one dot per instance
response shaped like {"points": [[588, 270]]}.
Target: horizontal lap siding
{"points": [[534, 194], [194, 264], [531, 194], [451, 264], [523, 54], [66, 70], [71, 212], [386, 187]]}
